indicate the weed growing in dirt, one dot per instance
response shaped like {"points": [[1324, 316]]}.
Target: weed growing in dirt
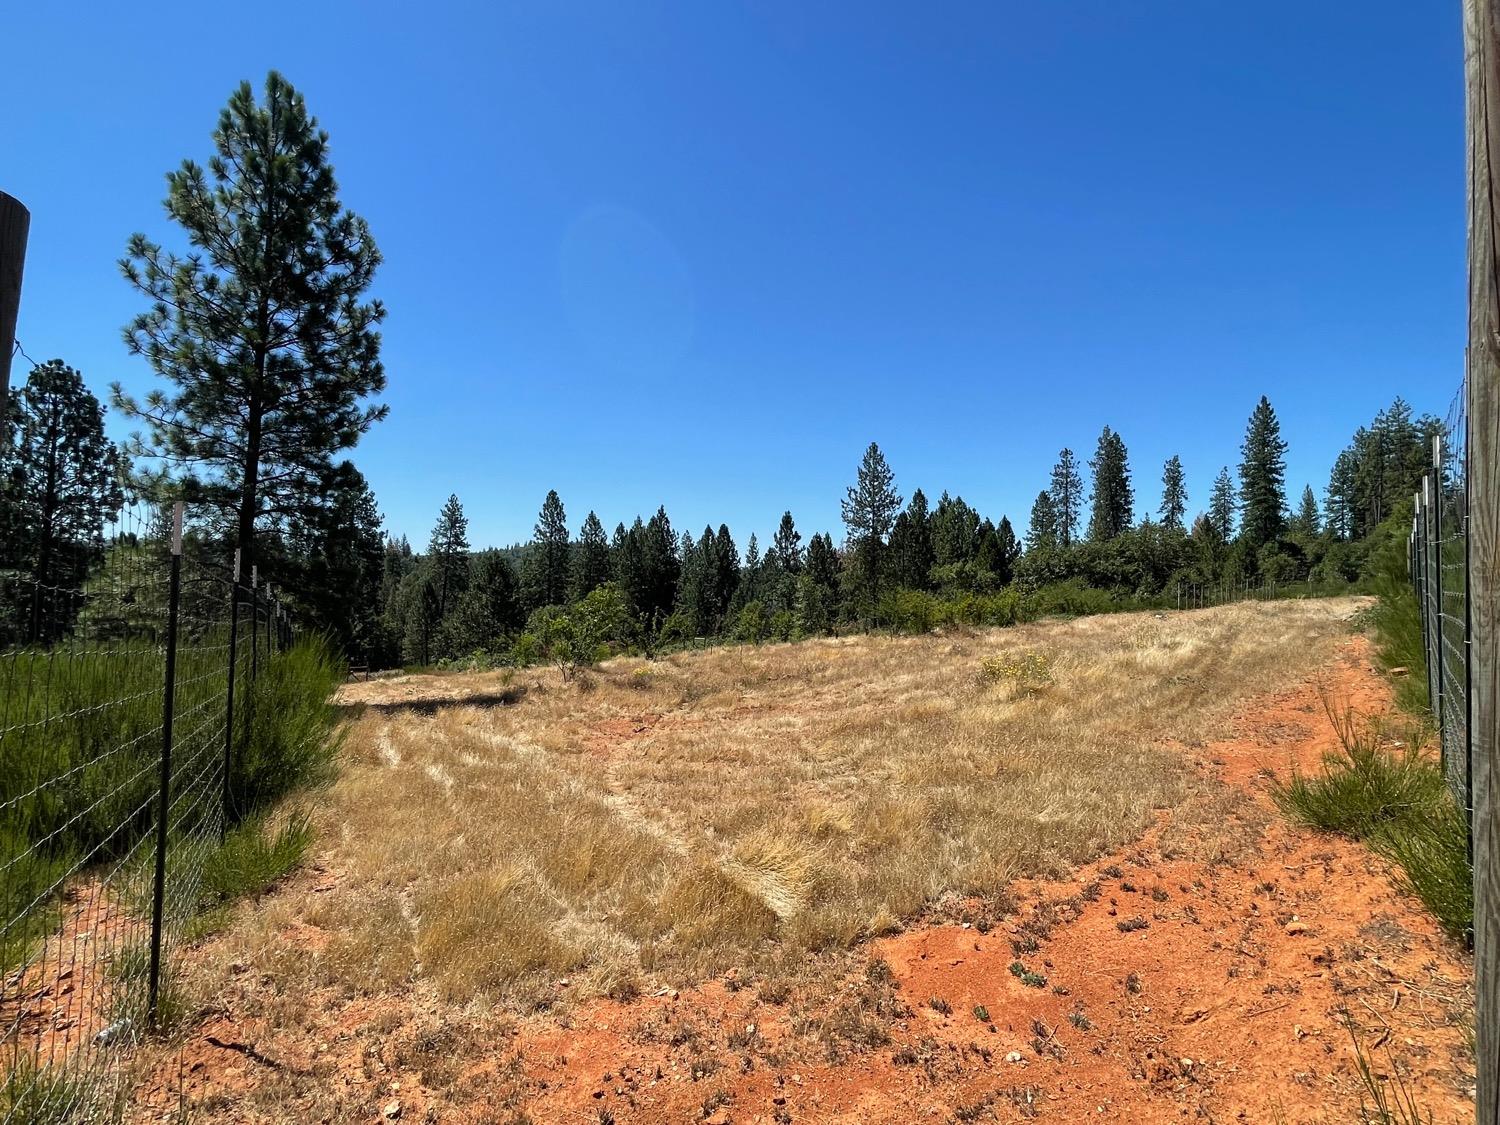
{"points": [[1388, 1104], [33, 1094], [1026, 976]]}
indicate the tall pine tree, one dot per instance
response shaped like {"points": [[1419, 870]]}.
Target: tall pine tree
{"points": [[786, 546], [869, 509], [591, 567], [1262, 477], [261, 328], [1308, 521], [1041, 533], [545, 570], [1009, 549], [62, 486], [342, 588], [911, 545], [1173, 494], [1339, 500], [1113, 508], [1221, 506], [448, 554], [1067, 498]]}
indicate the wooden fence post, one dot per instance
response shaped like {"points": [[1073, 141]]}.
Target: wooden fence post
{"points": [[15, 221], [1482, 115]]}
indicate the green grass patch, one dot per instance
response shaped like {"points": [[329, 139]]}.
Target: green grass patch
{"points": [[253, 858]]}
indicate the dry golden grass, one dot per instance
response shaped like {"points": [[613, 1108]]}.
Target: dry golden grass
{"points": [[739, 807]]}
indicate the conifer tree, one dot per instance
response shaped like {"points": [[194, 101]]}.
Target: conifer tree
{"points": [[591, 567], [911, 545], [869, 510], [1113, 505], [1067, 498], [61, 484], [1340, 501], [448, 554], [750, 573], [1308, 521], [1221, 506], [545, 570], [1009, 551], [489, 610], [341, 590], [786, 546], [1041, 534], [261, 328], [724, 577], [817, 589], [693, 581], [1173, 494], [647, 568], [955, 531], [424, 615], [1263, 477]]}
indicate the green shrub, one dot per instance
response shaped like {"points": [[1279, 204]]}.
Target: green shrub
{"points": [[526, 650], [1073, 599], [293, 725], [907, 611], [78, 793], [1363, 786], [752, 623], [1396, 800], [1432, 859]]}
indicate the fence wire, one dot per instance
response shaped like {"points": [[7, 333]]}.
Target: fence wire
{"points": [[1439, 565], [114, 795]]}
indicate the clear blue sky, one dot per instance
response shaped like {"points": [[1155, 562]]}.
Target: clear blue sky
{"points": [[702, 253]]}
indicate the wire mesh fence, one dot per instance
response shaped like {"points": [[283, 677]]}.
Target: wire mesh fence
{"points": [[121, 663], [1191, 595], [1438, 561]]}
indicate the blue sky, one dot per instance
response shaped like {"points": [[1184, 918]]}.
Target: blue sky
{"points": [[701, 254]]}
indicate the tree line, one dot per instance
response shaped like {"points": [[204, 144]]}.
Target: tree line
{"points": [[901, 563], [267, 350]]}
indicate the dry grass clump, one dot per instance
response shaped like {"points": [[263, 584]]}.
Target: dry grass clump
{"points": [[738, 806]]}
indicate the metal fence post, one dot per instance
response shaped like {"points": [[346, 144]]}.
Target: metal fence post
{"points": [[1437, 586], [164, 796], [254, 633], [234, 625], [1422, 578]]}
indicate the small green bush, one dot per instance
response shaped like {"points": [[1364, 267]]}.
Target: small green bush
{"points": [[1364, 785], [1396, 800]]}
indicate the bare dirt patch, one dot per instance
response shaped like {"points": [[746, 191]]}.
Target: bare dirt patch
{"points": [[1206, 968]]}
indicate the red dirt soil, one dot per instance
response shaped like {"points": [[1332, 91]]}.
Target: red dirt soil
{"points": [[1175, 989]]}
